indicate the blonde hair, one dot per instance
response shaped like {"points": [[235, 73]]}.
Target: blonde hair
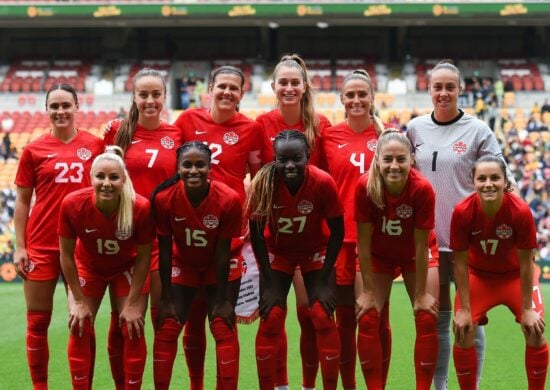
{"points": [[375, 184], [363, 75], [310, 119], [127, 128], [127, 195]]}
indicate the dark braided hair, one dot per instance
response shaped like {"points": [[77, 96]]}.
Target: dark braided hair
{"points": [[201, 146]]}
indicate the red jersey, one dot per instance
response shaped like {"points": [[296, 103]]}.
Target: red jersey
{"points": [[151, 157], [54, 169], [393, 226], [231, 144], [492, 243], [347, 156], [100, 248], [272, 123], [196, 231], [298, 222]]}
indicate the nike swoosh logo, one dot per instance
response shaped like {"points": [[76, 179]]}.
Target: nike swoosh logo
{"points": [[90, 230], [178, 219], [426, 364], [133, 382], [474, 233], [260, 358], [229, 361], [50, 155], [137, 141], [329, 358], [199, 132], [340, 146], [537, 372], [462, 373], [417, 145], [365, 362], [272, 139], [79, 378], [33, 349]]}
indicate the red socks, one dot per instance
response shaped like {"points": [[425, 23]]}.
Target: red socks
{"points": [[347, 326], [536, 365], [80, 356], [227, 353], [385, 341], [194, 343], [425, 349], [308, 347], [466, 367], [135, 353], [115, 347], [370, 349], [267, 339], [328, 345], [281, 372], [164, 352], [37, 346]]}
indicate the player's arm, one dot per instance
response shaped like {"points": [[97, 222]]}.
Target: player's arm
{"points": [[20, 219], [79, 310], [422, 300], [166, 308], [222, 307], [531, 322], [254, 162], [463, 317], [366, 300]]}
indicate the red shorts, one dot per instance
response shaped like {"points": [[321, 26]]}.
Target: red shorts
{"points": [[44, 265], [288, 264], [487, 293], [401, 267], [186, 274], [94, 285], [346, 264]]}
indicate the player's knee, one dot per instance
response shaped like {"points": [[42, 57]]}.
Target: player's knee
{"points": [[426, 323], [169, 330], [273, 323], [320, 318], [220, 330], [369, 322]]}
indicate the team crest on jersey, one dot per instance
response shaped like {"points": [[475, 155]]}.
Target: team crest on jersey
{"points": [[176, 271], [371, 144], [30, 266], [167, 142], [230, 138], [305, 207], [504, 231], [271, 257], [404, 211], [123, 235], [84, 154], [460, 147], [211, 221], [82, 281]]}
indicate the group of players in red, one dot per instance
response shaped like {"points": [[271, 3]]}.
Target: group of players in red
{"points": [[161, 211]]}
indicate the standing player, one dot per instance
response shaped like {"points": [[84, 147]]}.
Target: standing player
{"points": [[105, 234], [493, 238], [300, 206], [447, 142], [394, 210], [295, 110], [235, 143], [348, 149], [149, 146], [201, 217], [52, 166]]}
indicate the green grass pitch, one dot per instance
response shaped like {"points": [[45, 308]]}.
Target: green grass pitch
{"points": [[504, 366]]}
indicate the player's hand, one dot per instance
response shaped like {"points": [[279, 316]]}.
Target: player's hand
{"points": [[78, 312], [133, 315], [427, 303], [364, 302], [532, 324], [109, 126], [325, 295], [225, 311], [21, 261], [462, 325], [269, 298], [166, 310]]}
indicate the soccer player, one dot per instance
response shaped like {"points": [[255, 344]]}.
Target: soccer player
{"points": [[149, 146], [394, 210], [447, 142], [295, 220], [235, 142], [201, 217], [105, 234], [348, 149], [493, 238], [52, 166], [295, 110]]}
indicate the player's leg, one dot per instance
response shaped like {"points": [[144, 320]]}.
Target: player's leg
{"points": [[441, 375]]}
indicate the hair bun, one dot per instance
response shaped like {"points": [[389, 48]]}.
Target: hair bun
{"points": [[114, 149]]}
